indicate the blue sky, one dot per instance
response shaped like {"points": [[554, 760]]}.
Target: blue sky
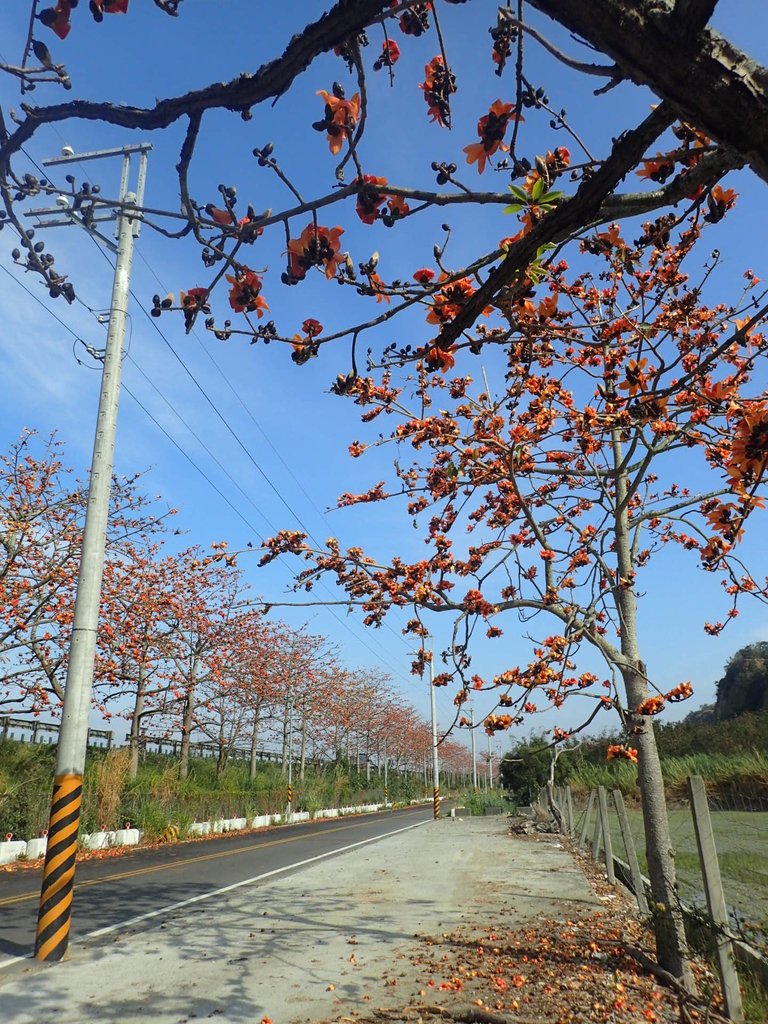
{"points": [[275, 427]]}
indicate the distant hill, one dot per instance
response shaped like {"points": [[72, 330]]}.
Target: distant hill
{"points": [[701, 716], [744, 687]]}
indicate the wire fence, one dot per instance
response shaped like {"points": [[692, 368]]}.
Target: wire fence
{"points": [[721, 860]]}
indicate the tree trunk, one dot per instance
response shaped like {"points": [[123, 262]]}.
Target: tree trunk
{"points": [[254, 742], [671, 944], [133, 738], [186, 733], [221, 756]]}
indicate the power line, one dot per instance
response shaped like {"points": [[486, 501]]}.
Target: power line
{"points": [[234, 391], [226, 423], [192, 462], [206, 350], [224, 420], [200, 441]]}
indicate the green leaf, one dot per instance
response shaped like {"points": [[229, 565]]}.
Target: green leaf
{"points": [[551, 197], [513, 208], [519, 193], [537, 190]]}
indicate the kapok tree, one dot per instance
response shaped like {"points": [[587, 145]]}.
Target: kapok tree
{"points": [[206, 598], [255, 678], [42, 510], [713, 94], [135, 641], [625, 420], [364, 37], [38, 532]]}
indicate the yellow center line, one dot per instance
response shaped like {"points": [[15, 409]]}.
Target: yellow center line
{"points": [[26, 896]]}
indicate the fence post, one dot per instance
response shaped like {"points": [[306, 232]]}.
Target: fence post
{"points": [[562, 804], [602, 803], [713, 888], [629, 846], [569, 812], [597, 833], [587, 816]]}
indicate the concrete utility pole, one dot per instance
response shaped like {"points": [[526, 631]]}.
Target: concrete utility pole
{"points": [[474, 751], [435, 761], [386, 774], [490, 762], [55, 912]]}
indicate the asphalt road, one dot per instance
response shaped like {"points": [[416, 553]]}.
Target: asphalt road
{"points": [[112, 894]]}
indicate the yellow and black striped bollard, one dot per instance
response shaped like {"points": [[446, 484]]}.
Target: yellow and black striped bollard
{"points": [[290, 795], [436, 801], [59, 871]]}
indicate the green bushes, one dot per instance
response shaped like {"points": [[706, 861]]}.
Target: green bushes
{"points": [[731, 757], [158, 798], [477, 802], [727, 776]]}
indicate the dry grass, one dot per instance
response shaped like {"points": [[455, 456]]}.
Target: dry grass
{"points": [[111, 774]]}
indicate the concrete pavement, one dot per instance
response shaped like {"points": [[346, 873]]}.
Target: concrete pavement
{"points": [[327, 939]]}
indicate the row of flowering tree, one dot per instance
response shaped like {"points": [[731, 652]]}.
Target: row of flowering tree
{"points": [[184, 653], [622, 407]]}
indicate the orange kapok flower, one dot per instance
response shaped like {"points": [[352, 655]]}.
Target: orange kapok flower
{"points": [[748, 459], [424, 276], [398, 207], [315, 247], [438, 85], [651, 706], [618, 751], [439, 358], [369, 201], [57, 18], [389, 56], [636, 377], [449, 300], [112, 6], [312, 327], [244, 295], [681, 692], [491, 130], [340, 119], [719, 201], [658, 169]]}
